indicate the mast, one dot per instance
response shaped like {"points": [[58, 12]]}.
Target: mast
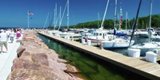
{"points": [[61, 16], [150, 20], [126, 19], [55, 16], [104, 15], [121, 17], [150, 15], [134, 25], [46, 21], [98, 19], [68, 14], [115, 15]]}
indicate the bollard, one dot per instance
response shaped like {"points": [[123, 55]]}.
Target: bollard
{"points": [[89, 42], [83, 41], [67, 37], [134, 52], [101, 45], [151, 57]]}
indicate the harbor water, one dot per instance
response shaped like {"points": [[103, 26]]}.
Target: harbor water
{"points": [[91, 68]]}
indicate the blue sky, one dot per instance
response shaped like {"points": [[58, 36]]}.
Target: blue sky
{"points": [[14, 12]]}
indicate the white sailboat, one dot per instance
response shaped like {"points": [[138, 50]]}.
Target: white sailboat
{"points": [[108, 41], [114, 41], [68, 34]]}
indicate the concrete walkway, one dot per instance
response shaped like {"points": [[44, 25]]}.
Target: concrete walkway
{"points": [[6, 60]]}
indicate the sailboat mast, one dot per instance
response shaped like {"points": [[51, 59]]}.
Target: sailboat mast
{"points": [[126, 19], [60, 13], [68, 14], [115, 15], [98, 19], [46, 21], [150, 15], [121, 17], [104, 15], [150, 20], [134, 25], [55, 16]]}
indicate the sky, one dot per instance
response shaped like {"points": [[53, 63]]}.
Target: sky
{"points": [[13, 13]]}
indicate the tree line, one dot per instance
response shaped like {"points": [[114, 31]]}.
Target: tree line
{"points": [[143, 23]]}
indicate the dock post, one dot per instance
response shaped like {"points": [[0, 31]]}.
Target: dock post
{"points": [[89, 42], [151, 57], [72, 39], [134, 52], [83, 40], [101, 45]]}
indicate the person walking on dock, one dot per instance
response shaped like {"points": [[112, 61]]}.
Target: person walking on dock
{"points": [[3, 40], [11, 36]]}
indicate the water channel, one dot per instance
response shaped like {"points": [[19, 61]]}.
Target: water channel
{"points": [[90, 67]]}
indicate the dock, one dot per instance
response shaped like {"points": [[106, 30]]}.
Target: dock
{"points": [[6, 59], [135, 65]]}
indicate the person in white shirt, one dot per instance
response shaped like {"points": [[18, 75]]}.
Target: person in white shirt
{"points": [[3, 40], [11, 36]]}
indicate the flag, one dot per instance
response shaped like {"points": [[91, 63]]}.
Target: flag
{"points": [[29, 13]]}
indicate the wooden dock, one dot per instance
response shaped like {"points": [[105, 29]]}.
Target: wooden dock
{"points": [[138, 66]]}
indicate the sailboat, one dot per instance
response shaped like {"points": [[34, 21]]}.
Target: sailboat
{"points": [[64, 34], [108, 41], [147, 46]]}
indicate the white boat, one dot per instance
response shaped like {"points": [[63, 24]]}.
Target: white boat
{"points": [[117, 43], [155, 36], [96, 36], [148, 46], [142, 34], [145, 33], [108, 41], [70, 35]]}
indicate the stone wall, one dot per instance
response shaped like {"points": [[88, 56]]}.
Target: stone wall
{"points": [[35, 61]]}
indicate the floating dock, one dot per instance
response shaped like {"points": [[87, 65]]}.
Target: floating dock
{"points": [[135, 65]]}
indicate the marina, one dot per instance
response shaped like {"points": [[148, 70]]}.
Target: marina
{"points": [[92, 68], [80, 40], [135, 65]]}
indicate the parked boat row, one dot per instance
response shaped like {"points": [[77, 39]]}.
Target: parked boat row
{"points": [[113, 38]]}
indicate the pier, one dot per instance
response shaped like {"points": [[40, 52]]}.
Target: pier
{"points": [[136, 65]]}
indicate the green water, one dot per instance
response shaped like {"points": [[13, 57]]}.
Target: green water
{"points": [[90, 67]]}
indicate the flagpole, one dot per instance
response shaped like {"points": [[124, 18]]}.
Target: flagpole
{"points": [[28, 18]]}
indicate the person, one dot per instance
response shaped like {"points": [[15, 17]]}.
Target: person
{"points": [[18, 34], [3, 40], [11, 36]]}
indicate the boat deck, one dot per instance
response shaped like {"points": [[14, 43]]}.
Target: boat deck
{"points": [[136, 65]]}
